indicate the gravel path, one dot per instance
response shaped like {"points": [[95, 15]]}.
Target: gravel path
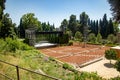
{"points": [[103, 68]]}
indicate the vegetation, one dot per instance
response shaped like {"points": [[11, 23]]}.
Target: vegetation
{"points": [[115, 7], [28, 57], [99, 38], [111, 38], [92, 38], [16, 52], [78, 36], [117, 65], [88, 76], [111, 54]]}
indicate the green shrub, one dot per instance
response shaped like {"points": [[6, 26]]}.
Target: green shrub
{"points": [[51, 59], [10, 45], [70, 43], [117, 65], [69, 67], [110, 54], [26, 41]]}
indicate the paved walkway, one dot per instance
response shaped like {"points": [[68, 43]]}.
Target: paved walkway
{"points": [[103, 68]]}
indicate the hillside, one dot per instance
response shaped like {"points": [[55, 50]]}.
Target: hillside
{"points": [[30, 58]]}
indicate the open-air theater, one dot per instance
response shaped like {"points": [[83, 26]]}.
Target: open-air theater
{"points": [[42, 39]]}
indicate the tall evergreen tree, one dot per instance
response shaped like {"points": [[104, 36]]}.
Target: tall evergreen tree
{"points": [[110, 27], [73, 24], [104, 27], [83, 22], [96, 27]]}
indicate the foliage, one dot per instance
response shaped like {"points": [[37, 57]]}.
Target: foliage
{"points": [[111, 54], [78, 36], [10, 45], [47, 27], [99, 38], [69, 67], [64, 25], [111, 38], [87, 76], [85, 25], [70, 43], [116, 27], [72, 26], [7, 29], [92, 38], [115, 7], [69, 34], [83, 21], [64, 39], [2, 7], [117, 65], [116, 78], [28, 21]]}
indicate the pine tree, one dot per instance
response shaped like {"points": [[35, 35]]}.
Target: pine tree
{"points": [[115, 7], [72, 24]]}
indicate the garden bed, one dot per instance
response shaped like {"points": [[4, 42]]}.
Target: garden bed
{"points": [[75, 54]]}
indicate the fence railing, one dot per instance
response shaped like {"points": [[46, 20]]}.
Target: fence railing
{"points": [[17, 72]]}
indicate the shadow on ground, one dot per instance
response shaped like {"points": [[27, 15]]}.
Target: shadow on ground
{"points": [[109, 65]]}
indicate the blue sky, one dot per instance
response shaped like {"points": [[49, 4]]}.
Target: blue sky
{"points": [[55, 11]]}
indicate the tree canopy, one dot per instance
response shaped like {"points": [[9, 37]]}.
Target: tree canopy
{"points": [[115, 7]]}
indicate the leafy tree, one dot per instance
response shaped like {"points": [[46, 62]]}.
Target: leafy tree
{"points": [[47, 27], [84, 27], [7, 30], [110, 54], [116, 28], [28, 21], [111, 38], [64, 25], [92, 38], [99, 38], [115, 7], [69, 34], [78, 36]]}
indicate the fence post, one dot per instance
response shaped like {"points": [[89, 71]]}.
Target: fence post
{"points": [[17, 69]]}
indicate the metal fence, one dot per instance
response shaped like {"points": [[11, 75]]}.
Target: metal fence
{"points": [[18, 73]]}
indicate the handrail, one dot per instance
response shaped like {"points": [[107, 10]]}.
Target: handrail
{"points": [[18, 67]]}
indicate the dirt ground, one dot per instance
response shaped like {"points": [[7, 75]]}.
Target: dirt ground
{"points": [[75, 54]]}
